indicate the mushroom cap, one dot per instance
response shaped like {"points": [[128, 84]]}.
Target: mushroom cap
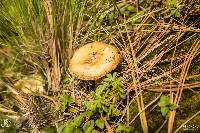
{"points": [[93, 61], [31, 84]]}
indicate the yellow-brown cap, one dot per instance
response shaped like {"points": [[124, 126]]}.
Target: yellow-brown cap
{"points": [[93, 61]]}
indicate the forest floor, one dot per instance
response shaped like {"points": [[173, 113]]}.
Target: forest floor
{"points": [[155, 88]]}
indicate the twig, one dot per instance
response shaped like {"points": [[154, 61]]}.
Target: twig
{"points": [[107, 125], [7, 111], [137, 5], [161, 126], [180, 28], [152, 102], [134, 68], [185, 69], [166, 88]]}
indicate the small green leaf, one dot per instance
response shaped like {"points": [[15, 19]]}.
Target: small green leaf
{"points": [[72, 110], [87, 114], [69, 128], [172, 3], [95, 131], [100, 123], [164, 111], [123, 96], [105, 108], [106, 79], [101, 88], [88, 126], [116, 112], [173, 106], [91, 105], [70, 100], [66, 80], [65, 101], [78, 120], [109, 76], [111, 16], [164, 101], [114, 85], [114, 75], [78, 130], [122, 128], [131, 9]]}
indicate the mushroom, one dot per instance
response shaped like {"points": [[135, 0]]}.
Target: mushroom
{"points": [[93, 61], [30, 84]]}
